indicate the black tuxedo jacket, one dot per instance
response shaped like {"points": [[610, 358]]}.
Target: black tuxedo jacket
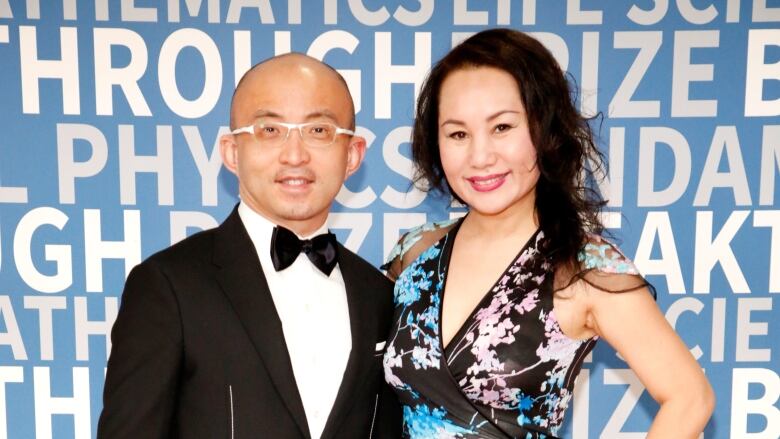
{"points": [[198, 349]]}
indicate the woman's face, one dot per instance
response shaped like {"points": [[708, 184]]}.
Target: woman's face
{"points": [[485, 145]]}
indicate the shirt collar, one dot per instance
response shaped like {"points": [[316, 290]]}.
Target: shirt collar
{"points": [[261, 228]]}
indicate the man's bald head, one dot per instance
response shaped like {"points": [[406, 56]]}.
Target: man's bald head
{"points": [[289, 66], [292, 183]]}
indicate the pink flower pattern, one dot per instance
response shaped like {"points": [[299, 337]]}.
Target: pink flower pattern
{"points": [[510, 370]]}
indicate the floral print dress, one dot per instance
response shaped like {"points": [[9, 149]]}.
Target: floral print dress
{"points": [[509, 370]]}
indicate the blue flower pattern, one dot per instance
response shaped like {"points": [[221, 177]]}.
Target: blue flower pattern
{"points": [[510, 370]]}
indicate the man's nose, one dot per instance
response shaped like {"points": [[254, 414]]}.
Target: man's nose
{"points": [[293, 149]]}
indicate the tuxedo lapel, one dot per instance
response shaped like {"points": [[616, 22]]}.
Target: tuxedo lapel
{"points": [[241, 278], [361, 315]]}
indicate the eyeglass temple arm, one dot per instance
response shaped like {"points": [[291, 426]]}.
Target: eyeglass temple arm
{"points": [[247, 129]]}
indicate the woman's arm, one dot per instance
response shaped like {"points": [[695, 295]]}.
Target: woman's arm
{"points": [[633, 324]]}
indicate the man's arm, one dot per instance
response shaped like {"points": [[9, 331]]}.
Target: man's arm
{"points": [[139, 397]]}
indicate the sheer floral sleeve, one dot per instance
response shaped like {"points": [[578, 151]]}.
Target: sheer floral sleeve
{"points": [[605, 267], [412, 244]]}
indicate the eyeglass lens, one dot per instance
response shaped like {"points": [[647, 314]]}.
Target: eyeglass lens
{"points": [[314, 134]]}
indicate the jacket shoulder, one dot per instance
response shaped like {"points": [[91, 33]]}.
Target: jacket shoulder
{"points": [[359, 265], [195, 249]]}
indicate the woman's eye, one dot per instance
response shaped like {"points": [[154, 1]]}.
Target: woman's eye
{"points": [[502, 127], [457, 135]]}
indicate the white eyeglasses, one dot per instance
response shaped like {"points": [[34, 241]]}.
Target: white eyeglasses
{"points": [[272, 134]]}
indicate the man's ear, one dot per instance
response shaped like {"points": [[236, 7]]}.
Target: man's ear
{"points": [[228, 149], [355, 153]]}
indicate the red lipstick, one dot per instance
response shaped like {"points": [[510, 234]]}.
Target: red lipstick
{"points": [[487, 183]]}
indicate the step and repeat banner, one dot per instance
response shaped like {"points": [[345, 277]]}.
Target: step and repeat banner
{"points": [[111, 111]]}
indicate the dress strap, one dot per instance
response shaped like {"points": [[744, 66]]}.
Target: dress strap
{"points": [[602, 255], [414, 242], [604, 266]]}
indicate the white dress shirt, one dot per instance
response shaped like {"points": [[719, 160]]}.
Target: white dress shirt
{"points": [[315, 320]]}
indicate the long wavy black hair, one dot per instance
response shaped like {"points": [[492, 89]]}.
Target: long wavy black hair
{"points": [[567, 200]]}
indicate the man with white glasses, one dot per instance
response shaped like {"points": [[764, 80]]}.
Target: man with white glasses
{"points": [[264, 327]]}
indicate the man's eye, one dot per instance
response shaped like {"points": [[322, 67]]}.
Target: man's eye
{"points": [[319, 131], [268, 131]]}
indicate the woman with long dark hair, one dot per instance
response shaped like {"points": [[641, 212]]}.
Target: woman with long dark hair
{"points": [[496, 311]]}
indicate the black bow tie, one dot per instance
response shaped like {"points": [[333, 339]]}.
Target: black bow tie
{"points": [[285, 248]]}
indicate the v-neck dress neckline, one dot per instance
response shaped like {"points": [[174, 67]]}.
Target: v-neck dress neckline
{"points": [[448, 247]]}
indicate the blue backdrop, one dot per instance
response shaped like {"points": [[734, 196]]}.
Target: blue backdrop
{"points": [[111, 111]]}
